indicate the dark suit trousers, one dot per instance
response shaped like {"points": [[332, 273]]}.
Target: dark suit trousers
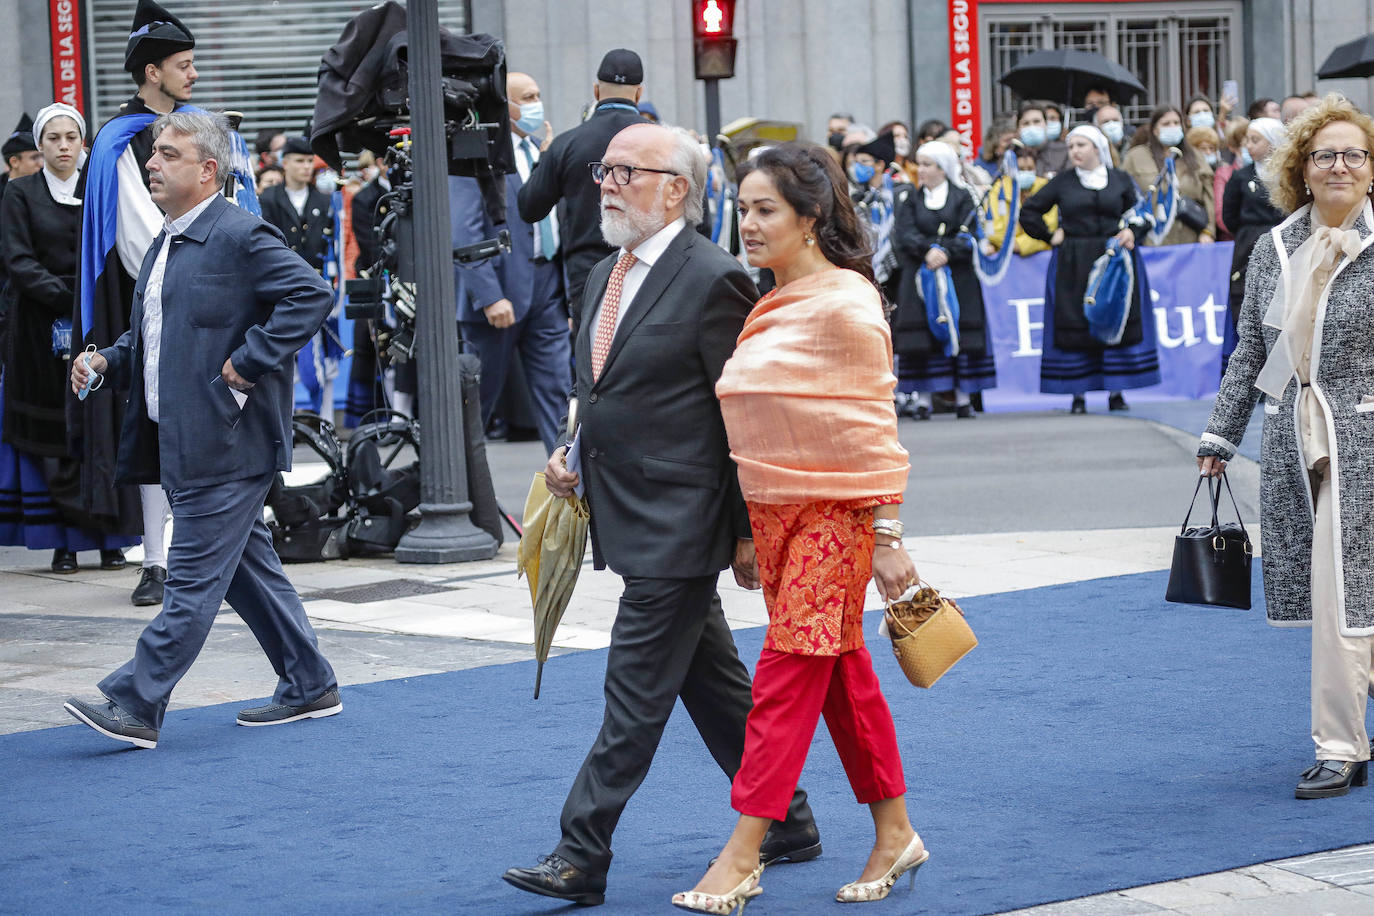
{"points": [[222, 550], [541, 338], [670, 640]]}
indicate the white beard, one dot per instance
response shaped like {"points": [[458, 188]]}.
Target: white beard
{"points": [[622, 228]]}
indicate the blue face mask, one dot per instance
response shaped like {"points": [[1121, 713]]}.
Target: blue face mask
{"points": [[1171, 136], [1024, 179], [1245, 157], [1202, 119], [862, 173], [531, 117], [1033, 135], [1053, 129], [1113, 130]]}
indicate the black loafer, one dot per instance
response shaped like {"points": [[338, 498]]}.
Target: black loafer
{"points": [[922, 412], [63, 561], [1117, 402], [555, 876], [1078, 406], [1330, 778], [149, 589], [964, 412], [112, 559], [799, 844]]}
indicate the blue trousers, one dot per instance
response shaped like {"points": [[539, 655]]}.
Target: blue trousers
{"points": [[221, 551], [541, 337]]}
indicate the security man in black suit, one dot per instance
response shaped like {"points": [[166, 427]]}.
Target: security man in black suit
{"points": [[562, 171], [661, 318], [304, 215]]}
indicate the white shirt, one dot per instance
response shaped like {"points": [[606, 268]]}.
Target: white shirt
{"points": [[648, 252], [297, 198], [523, 167], [151, 326], [62, 191], [139, 220], [936, 198]]}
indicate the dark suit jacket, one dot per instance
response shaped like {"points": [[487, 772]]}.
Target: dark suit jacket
{"points": [[366, 217], [308, 234], [562, 173], [663, 493], [232, 289], [507, 276]]}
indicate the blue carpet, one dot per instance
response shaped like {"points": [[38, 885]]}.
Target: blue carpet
{"points": [[1097, 739]]}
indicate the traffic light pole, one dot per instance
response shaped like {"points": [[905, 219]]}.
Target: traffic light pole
{"points": [[712, 110], [445, 534]]}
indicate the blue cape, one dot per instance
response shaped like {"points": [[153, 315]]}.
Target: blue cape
{"points": [[942, 307]]}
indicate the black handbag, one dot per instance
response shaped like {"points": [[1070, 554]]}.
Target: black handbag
{"points": [[1191, 213], [1212, 563]]}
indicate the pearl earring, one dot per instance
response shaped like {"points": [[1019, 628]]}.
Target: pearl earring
{"points": [[810, 239], [1306, 190]]}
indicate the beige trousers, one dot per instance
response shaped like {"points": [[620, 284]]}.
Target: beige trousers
{"points": [[1342, 666]]}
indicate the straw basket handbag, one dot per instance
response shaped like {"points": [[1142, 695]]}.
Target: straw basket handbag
{"points": [[929, 634]]}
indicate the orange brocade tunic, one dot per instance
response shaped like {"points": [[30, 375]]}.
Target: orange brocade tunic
{"points": [[807, 403]]}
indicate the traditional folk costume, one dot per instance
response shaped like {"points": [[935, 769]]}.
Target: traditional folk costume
{"points": [[1091, 205], [807, 403], [930, 218], [39, 481]]}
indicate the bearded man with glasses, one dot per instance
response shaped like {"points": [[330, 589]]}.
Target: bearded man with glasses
{"points": [[660, 318]]}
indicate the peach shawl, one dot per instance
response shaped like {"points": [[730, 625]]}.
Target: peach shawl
{"points": [[807, 395]]}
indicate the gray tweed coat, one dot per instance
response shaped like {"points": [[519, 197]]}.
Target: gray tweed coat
{"points": [[1343, 378]]}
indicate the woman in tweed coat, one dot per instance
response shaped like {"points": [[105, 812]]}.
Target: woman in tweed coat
{"points": [[1307, 350]]}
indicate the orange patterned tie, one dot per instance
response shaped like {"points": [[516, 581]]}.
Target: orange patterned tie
{"points": [[610, 308]]}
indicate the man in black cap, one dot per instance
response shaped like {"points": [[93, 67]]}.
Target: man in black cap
{"points": [[118, 224], [305, 216], [563, 171]]}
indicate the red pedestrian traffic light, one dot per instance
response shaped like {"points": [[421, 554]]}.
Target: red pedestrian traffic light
{"points": [[713, 38], [713, 19]]}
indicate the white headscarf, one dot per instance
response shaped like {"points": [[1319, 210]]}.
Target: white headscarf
{"points": [[1271, 129], [1094, 179], [63, 190], [56, 110], [945, 158]]}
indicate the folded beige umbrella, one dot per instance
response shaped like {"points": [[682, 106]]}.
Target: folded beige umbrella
{"points": [[550, 557]]}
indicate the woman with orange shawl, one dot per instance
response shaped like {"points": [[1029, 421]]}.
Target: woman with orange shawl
{"points": [[807, 402]]}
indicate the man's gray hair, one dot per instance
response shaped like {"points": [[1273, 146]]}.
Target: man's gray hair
{"points": [[688, 161], [209, 132]]}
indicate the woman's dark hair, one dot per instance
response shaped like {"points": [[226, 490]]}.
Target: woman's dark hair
{"points": [[1256, 109], [1145, 136], [811, 182], [930, 130], [1054, 107], [1200, 98]]}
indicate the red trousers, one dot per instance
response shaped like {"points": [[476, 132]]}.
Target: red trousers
{"points": [[791, 692]]}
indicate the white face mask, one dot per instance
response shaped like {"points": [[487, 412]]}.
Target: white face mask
{"points": [[327, 182], [1113, 130], [903, 146]]}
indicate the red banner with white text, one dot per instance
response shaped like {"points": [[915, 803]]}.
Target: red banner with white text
{"points": [[64, 20], [965, 104]]}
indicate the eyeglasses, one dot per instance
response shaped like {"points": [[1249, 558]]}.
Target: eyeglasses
{"points": [[1326, 158], [621, 174]]}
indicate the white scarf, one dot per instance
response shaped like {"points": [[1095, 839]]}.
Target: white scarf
{"points": [[1092, 179], [63, 190], [1299, 293], [935, 198]]}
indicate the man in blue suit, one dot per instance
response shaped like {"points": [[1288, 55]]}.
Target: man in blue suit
{"points": [[515, 302], [220, 308]]}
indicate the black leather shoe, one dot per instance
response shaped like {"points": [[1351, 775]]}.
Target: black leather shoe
{"points": [[964, 412], [555, 876], [922, 412], [800, 844], [1117, 402], [149, 589], [112, 559], [113, 721], [1330, 778], [1079, 406], [63, 561]]}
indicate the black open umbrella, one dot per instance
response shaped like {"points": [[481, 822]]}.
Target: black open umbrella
{"points": [[1352, 59], [1066, 74]]}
